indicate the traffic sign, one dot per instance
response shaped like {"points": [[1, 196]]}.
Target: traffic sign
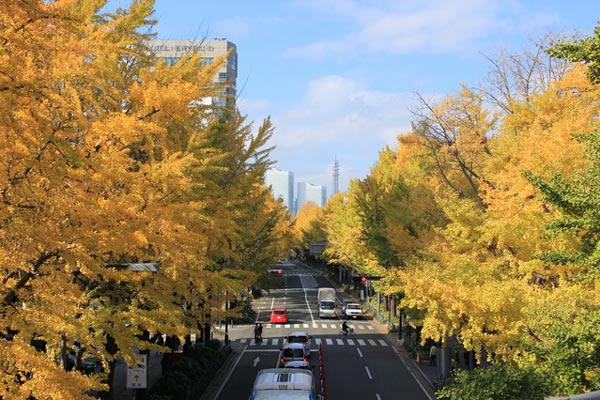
{"points": [[137, 378]]}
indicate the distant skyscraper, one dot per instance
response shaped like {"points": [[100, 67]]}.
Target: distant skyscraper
{"points": [[336, 176], [170, 51], [309, 192], [282, 186]]}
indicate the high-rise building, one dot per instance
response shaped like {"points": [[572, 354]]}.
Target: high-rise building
{"points": [[282, 186], [170, 51], [336, 176], [308, 192]]}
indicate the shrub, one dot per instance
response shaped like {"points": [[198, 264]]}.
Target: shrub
{"points": [[189, 376], [173, 385], [498, 381]]}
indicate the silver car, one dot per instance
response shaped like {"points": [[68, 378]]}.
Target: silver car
{"points": [[298, 337], [293, 352]]}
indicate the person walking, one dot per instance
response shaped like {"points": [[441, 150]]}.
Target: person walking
{"points": [[256, 332], [260, 329], [432, 355]]}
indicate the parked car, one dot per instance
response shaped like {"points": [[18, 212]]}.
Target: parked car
{"points": [[293, 352], [298, 337], [279, 316]]}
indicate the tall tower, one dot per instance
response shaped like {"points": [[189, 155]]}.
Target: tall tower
{"points": [[336, 176]]}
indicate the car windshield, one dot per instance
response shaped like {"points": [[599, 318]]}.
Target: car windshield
{"points": [[353, 307], [297, 339], [293, 353], [327, 305], [278, 312]]}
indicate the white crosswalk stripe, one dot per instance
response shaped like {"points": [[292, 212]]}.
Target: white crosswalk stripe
{"points": [[316, 325], [351, 341]]}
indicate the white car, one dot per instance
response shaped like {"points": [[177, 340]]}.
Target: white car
{"points": [[352, 310]]}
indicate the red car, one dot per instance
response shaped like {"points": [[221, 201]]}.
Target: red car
{"points": [[279, 316]]}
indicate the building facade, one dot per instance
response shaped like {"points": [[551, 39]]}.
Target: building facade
{"points": [[308, 192], [282, 186], [171, 51]]}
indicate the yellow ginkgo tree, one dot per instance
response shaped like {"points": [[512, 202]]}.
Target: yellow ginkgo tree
{"points": [[107, 159]]}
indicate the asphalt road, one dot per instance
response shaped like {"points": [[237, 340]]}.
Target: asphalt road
{"points": [[362, 366]]}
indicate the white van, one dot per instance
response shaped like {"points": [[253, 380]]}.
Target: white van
{"points": [[284, 383]]}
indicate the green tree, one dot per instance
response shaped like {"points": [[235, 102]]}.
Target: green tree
{"points": [[586, 50], [499, 381]]}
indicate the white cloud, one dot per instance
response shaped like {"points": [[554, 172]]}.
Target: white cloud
{"points": [[342, 118], [400, 27], [340, 110]]}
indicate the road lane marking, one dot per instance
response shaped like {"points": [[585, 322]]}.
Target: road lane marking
{"points": [[312, 318], [351, 342], [383, 342], [261, 350], [359, 352], [401, 357], [231, 371], [371, 342], [368, 372], [361, 342], [340, 341]]}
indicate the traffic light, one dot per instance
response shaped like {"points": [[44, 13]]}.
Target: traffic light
{"points": [[365, 278]]}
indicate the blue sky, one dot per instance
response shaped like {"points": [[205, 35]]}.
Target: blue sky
{"points": [[338, 77]]}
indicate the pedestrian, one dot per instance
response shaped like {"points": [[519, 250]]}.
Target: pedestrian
{"points": [[256, 332], [454, 362], [260, 329], [432, 354]]}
